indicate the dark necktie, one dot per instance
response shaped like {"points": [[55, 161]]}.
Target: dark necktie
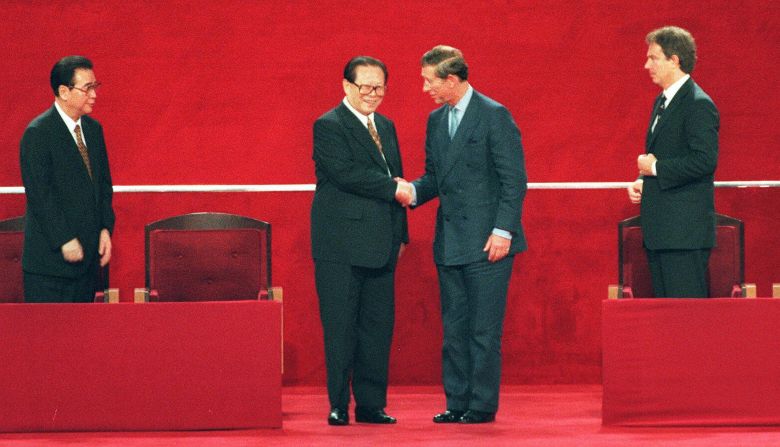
{"points": [[660, 106], [83, 150]]}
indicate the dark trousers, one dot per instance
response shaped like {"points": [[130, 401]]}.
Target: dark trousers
{"points": [[473, 303], [55, 289], [357, 310], [679, 273]]}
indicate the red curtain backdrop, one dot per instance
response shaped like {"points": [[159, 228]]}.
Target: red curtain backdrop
{"points": [[226, 93]]}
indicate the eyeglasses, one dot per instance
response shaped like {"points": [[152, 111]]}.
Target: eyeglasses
{"points": [[366, 89], [87, 88]]}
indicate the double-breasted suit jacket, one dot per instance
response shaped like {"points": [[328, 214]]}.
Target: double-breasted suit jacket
{"points": [[479, 177]]}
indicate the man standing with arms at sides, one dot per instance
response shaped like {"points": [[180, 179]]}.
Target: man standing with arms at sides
{"points": [[475, 165], [357, 233], [67, 182], [676, 174]]}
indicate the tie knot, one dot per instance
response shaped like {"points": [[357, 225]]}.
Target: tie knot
{"points": [[77, 129]]}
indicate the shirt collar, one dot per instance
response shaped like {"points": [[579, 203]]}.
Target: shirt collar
{"points": [[674, 88], [68, 120], [363, 118], [465, 100]]}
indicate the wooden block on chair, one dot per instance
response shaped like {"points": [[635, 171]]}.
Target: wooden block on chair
{"points": [[749, 290], [776, 290], [613, 291], [140, 295], [276, 293], [112, 295]]}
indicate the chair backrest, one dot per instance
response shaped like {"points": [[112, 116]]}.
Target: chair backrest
{"points": [[208, 257], [726, 272], [11, 245]]}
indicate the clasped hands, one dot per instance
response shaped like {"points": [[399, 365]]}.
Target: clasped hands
{"points": [[644, 164], [403, 192]]}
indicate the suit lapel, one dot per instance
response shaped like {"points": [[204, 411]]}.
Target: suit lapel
{"points": [[673, 106], [392, 156], [468, 123], [60, 130], [360, 133]]}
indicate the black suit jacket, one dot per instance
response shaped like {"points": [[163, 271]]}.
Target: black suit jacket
{"points": [[479, 178], [62, 201], [678, 206], [355, 219]]}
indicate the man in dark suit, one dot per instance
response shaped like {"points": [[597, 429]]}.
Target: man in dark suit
{"points": [[675, 186], [357, 232], [475, 165], [69, 216]]}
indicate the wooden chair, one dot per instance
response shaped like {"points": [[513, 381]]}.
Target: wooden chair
{"points": [[11, 244], [726, 272], [208, 257]]}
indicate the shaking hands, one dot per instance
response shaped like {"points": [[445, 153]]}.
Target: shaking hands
{"points": [[404, 192]]}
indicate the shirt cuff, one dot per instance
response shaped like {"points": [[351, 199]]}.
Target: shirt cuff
{"points": [[503, 233], [655, 173]]}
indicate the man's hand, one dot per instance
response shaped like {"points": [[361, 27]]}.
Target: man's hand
{"points": [[645, 164], [403, 191], [72, 251], [104, 247], [497, 247], [635, 192], [401, 250]]}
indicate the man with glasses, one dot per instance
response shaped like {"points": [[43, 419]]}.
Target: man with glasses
{"points": [[474, 164], [69, 216], [358, 231]]}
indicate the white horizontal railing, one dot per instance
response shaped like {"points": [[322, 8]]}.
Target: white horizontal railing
{"points": [[310, 187]]}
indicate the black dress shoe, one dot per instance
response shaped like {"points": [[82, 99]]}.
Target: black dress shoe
{"points": [[338, 416], [448, 417], [373, 416], [477, 417]]}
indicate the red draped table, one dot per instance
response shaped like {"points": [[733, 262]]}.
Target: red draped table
{"points": [[154, 366], [675, 362]]}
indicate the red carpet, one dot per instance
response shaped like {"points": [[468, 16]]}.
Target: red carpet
{"points": [[529, 416]]}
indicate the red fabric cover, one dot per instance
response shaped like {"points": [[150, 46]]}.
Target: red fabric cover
{"points": [[11, 285], [691, 362], [156, 366], [206, 265]]}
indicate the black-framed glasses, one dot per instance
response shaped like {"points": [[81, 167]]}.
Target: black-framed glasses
{"points": [[366, 89], [87, 88]]}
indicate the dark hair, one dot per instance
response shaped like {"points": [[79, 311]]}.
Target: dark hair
{"points": [[63, 70], [362, 61], [674, 40], [448, 61]]}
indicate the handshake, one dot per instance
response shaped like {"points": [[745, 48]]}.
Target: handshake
{"points": [[404, 192]]}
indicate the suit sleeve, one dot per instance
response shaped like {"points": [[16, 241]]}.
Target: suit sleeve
{"points": [[701, 158], [427, 187], [333, 156], [36, 167], [106, 188], [506, 151]]}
